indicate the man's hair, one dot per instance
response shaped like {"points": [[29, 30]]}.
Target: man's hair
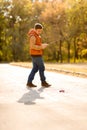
{"points": [[38, 26]]}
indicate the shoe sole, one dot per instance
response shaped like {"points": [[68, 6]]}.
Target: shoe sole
{"points": [[31, 86], [46, 86]]}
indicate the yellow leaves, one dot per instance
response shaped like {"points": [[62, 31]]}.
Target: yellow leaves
{"points": [[52, 11]]}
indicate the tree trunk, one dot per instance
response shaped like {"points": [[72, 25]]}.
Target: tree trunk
{"points": [[74, 51], [60, 51], [68, 52]]}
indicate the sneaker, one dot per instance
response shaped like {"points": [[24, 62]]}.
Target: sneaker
{"points": [[45, 84], [31, 85]]}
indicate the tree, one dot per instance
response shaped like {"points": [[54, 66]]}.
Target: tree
{"points": [[54, 20], [76, 24], [5, 50], [18, 22]]}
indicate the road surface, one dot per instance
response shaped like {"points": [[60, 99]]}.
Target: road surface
{"points": [[41, 108]]}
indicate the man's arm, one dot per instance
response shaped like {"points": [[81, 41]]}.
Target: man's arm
{"points": [[32, 44], [36, 47]]}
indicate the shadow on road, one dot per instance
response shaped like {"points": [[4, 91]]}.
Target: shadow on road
{"points": [[30, 97]]}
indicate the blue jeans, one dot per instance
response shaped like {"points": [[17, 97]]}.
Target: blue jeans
{"points": [[38, 65]]}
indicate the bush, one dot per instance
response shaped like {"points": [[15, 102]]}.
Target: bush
{"points": [[84, 53]]}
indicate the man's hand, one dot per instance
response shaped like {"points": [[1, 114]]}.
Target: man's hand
{"points": [[44, 45]]}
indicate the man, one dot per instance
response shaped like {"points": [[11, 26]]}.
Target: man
{"points": [[36, 52]]}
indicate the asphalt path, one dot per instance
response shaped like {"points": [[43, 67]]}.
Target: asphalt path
{"points": [[41, 108]]}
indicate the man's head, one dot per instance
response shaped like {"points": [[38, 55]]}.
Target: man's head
{"points": [[38, 27]]}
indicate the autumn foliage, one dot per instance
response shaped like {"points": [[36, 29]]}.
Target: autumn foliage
{"points": [[65, 29]]}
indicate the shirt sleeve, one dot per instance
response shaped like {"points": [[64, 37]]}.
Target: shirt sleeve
{"points": [[32, 44]]}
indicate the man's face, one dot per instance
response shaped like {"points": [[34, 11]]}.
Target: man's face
{"points": [[39, 31]]}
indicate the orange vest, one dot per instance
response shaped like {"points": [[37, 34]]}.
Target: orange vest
{"points": [[38, 42]]}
